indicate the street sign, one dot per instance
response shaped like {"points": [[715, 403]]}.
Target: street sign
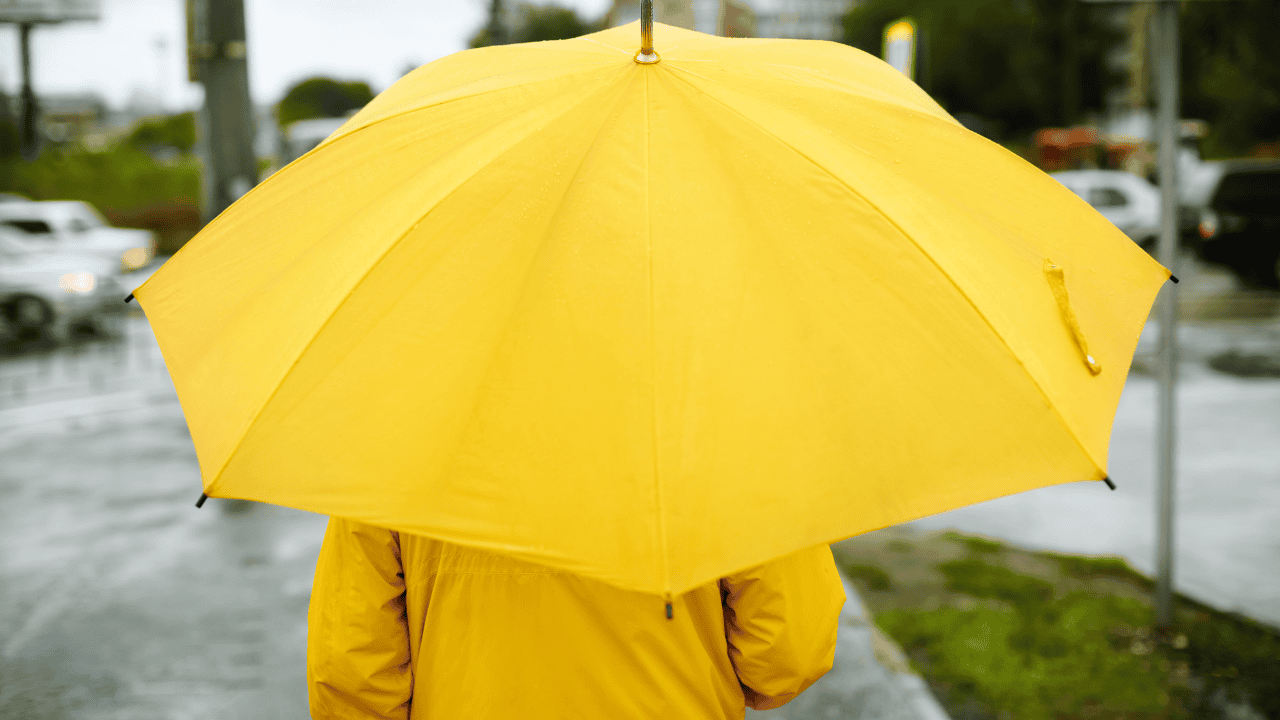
{"points": [[31, 12], [900, 46]]}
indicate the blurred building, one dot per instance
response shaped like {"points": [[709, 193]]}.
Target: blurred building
{"points": [[809, 19]]}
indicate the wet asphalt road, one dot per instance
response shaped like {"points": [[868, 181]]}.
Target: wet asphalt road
{"points": [[118, 599]]}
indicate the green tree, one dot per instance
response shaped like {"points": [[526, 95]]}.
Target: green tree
{"points": [[1231, 72], [321, 97], [1024, 64], [535, 23]]}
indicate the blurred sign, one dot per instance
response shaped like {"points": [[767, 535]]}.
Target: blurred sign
{"points": [[900, 46], [26, 12]]}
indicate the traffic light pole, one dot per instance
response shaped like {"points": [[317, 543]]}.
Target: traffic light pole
{"points": [[218, 57]]}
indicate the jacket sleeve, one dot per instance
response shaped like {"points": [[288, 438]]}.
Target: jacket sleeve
{"points": [[781, 620], [357, 636]]}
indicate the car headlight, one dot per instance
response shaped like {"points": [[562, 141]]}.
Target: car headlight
{"points": [[79, 283], [134, 258], [1208, 226]]}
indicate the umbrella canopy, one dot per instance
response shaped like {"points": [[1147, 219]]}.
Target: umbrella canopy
{"points": [[651, 323]]}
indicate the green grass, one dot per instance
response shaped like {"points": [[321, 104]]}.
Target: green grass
{"points": [[1032, 654], [974, 543], [1043, 636]]}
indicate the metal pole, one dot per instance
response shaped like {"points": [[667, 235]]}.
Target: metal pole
{"points": [[646, 55], [1166, 62], [30, 140], [646, 27]]}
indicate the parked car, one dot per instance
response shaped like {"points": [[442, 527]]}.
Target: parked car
{"points": [[71, 226], [51, 293], [1240, 228], [1128, 201]]}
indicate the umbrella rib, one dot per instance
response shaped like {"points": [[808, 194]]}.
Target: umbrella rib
{"points": [[1034, 380], [838, 90], [369, 270], [589, 39], [653, 360]]}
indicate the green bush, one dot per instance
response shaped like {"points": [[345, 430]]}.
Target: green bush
{"points": [[175, 131]]}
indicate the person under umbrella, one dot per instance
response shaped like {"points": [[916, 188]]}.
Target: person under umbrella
{"points": [[403, 626]]}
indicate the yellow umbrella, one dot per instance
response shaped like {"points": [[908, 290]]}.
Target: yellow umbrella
{"points": [[651, 320]]}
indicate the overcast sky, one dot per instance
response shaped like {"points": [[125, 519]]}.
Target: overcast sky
{"points": [[138, 48]]}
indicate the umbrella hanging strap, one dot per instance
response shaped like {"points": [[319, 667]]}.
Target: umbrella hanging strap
{"points": [[1058, 283]]}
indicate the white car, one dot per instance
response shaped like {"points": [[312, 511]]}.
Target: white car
{"points": [[71, 226], [1128, 201], [52, 293]]}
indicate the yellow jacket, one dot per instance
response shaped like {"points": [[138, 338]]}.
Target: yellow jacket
{"points": [[403, 626]]}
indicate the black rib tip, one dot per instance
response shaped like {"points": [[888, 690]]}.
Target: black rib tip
{"points": [[200, 502], [670, 611], [130, 298], [1175, 279], [1110, 484]]}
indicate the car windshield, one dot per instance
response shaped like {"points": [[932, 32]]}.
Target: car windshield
{"points": [[1105, 197], [31, 227]]}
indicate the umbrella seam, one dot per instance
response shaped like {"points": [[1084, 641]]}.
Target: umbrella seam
{"points": [[653, 358], [1034, 380], [355, 286]]}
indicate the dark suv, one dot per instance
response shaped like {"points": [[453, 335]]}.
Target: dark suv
{"points": [[1240, 228]]}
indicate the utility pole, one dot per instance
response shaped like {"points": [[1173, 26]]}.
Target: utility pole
{"points": [[217, 58], [30, 140]]}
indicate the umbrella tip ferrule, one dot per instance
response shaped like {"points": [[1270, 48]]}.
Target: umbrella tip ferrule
{"points": [[1107, 480], [1174, 278], [129, 298], [671, 613], [200, 502]]}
